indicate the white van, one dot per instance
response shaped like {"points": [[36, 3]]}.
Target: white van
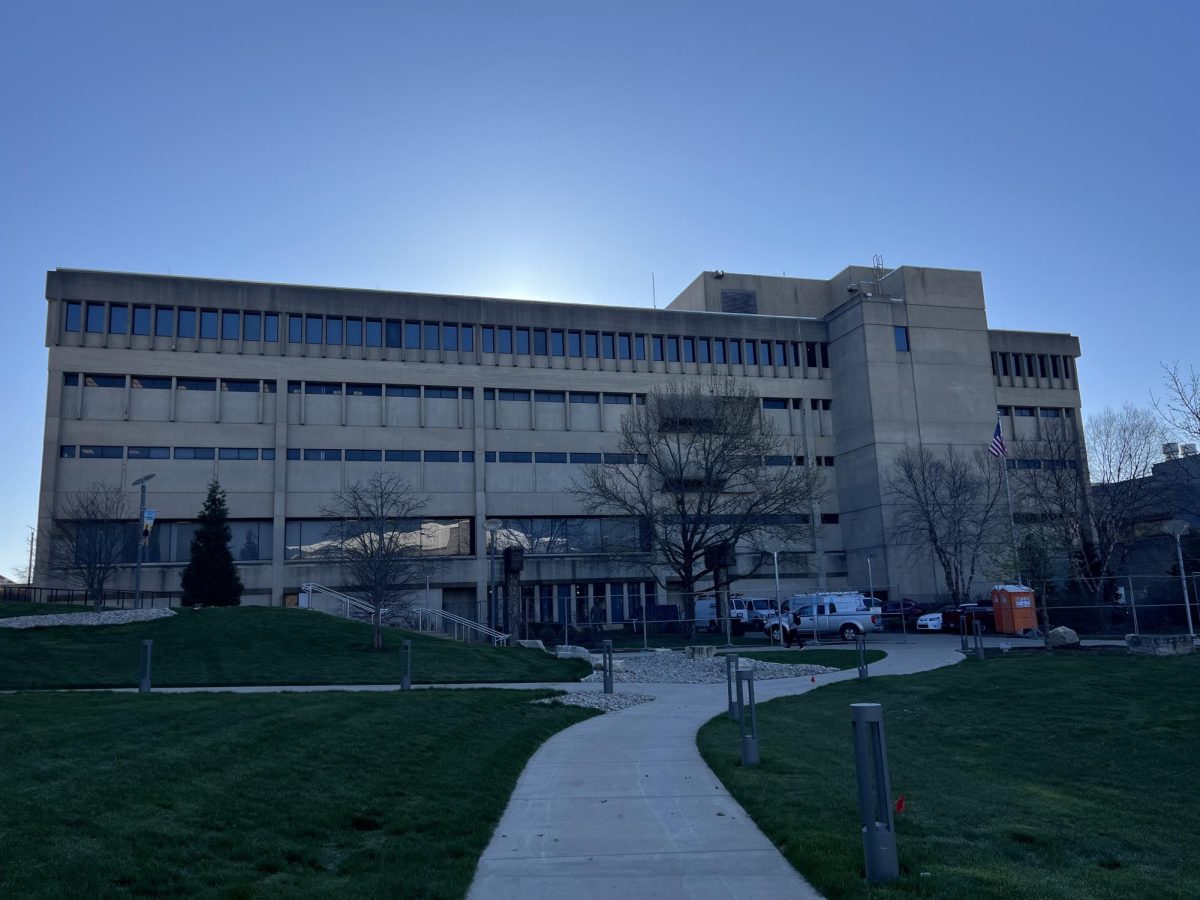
{"points": [[846, 613], [751, 612]]}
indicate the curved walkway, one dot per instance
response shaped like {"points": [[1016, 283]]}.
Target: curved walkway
{"points": [[622, 805]]}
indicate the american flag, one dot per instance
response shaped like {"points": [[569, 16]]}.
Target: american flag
{"points": [[997, 447]]}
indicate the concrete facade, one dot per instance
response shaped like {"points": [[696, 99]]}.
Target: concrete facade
{"points": [[288, 393]]}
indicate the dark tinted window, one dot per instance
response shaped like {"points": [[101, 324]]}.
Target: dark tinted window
{"points": [[610, 346], [295, 329], [489, 339], [314, 330], [333, 331], [592, 344], [323, 387], [323, 455], [374, 333], [504, 342], [208, 324], [243, 453], [540, 345], [364, 455], [774, 403], [449, 337], [118, 319], [195, 384], [900, 332], [403, 390], [239, 385], [149, 383], [522, 346], [557, 345], [251, 326], [585, 458], [95, 318], [67, 451], [394, 334], [100, 451], [551, 457], [584, 397], [550, 396], [271, 327], [194, 453], [618, 399], [354, 332], [441, 456], [73, 313], [412, 335], [364, 390], [149, 453], [441, 393], [514, 456], [70, 379], [515, 395], [574, 343], [431, 336], [402, 455], [141, 320], [106, 381]]}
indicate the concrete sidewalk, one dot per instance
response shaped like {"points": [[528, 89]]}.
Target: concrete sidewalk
{"points": [[622, 805]]}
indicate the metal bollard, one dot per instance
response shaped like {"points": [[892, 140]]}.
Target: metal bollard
{"points": [[731, 668], [874, 793], [608, 667], [144, 667], [748, 730], [861, 643], [962, 628], [978, 639], [406, 678]]}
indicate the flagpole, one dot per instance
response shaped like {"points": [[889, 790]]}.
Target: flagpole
{"points": [[1012, 524]]}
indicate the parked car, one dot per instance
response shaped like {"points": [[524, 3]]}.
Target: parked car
{"points": [[845, 614], [893, 610], [744, 612], [948, 618]]}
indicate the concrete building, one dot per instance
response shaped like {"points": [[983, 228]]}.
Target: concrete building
{"points": [[489, 406]]}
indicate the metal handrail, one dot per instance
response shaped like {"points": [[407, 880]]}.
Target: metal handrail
{"points": [[311, 588], [438, 618]]}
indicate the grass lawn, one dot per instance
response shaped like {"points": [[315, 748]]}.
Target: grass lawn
{"points": [[833, 659], [257, 645], [333, 795], [14, 608], [1029, 776]]}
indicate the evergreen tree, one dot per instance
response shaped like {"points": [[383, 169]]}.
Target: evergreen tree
{"points": [[211, 578]]}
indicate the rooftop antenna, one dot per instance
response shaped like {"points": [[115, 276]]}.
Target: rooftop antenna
{"points": [[653, 292]]}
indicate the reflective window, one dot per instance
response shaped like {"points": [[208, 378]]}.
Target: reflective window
{"points": [[67, 451], [623, 347], [149, 383], [354, 332], [95, 318], [403, 390], [394, 334], [402, 455], [70, 379], [557, 343], [231, 325], [656, 343], [575, 343], [522, 344], [719, 351], [364, 455], [194, 453], [149, 453], [314, 330], [251, 326], [489, 339], [780, 354], [610, 345], [449, 336], [374, 333], [900, 333], [333, 388], [333, 331], [592, 345], [735, 352], [208, 324], [751, 354], [467, 337], [639, 346], [550, 396], [672, 349], [74, 310], [106, 381], [240, 385], [584, 397], [271, 327], [689, 349], [100, 451], [118, 319], [195, 384], [412, 336], [764, 352], [141, 320], [540, 345], [431, 336], [504, 342], [268, 453], [703, 350], [364, 390]]}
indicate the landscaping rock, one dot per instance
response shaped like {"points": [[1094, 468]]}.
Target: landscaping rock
{"points": [[700, 651], [602, 702], [1062, 638], [112, 617], [569, 651], [1160, 644], [532, 645], [676, 668]]}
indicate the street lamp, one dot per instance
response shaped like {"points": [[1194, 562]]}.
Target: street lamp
{"points": [[492, 526], [778, 606], [142, 537], [1176, 528]]}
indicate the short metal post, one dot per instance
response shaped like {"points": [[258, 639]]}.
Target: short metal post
{"points": [[608, 667], [861, 643], [731, 668], [144, 667], [962, 629], [747, 725], [978, 626], [406, 678], [1132, 604], [874, 793]]}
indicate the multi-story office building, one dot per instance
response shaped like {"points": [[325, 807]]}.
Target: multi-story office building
{"points": [[286, 394]]}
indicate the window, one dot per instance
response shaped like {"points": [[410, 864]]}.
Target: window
{"points": [[545, 457], [240, 385], [824, 460], [333, 388], [208, 323], [268, 386], [141, 320], [774, 403], [900, 333], [780, 354], [364, 455], [268, 453], [468, 456], [586, 458], [656, 345], [323, 455], [829, 518], [1004, 364], [432, 336], [95, 318], [689, 349], [592, 345], [364, 390], [73, 313], [1050, 413], [751, 354], [764, 352], [251, 326], [672, 348], [610, 346], [618, 399], [703, 350], [293, 453], [67, 451], [194, 453], [549, 396], [639, 346], [100, 451], [468, 393], [1054, 366], [618, 459], [515, 456], [514, 396], [441, 393], [1023, 411], [523, 341], [374, 332], [719, 351], [467, 337], [354, 332], [314, 330], [449, 336], [441, 456], [777, 460], [556, 343], [1002, 411], [402, 455], [195, 384], [240, 453], [489, 339], [70, 379], [412, 335], [623, 348], [735, 352], [489, 393], [799, 460], [333, 331], [1067, 367], [403, 390], [271, 328], [231, 325], [1016, 365], [584, 397], [824, 348], [105, 381], [149, 383], [118, 319], [504, 340], [293, 387]]}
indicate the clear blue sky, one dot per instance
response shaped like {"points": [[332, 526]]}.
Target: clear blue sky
{"points": [[543, 150]]}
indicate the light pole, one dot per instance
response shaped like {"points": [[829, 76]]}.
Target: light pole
{"points": [[142, 537], [492, 526], [1176, 528], [29, 574], [778, 606]]}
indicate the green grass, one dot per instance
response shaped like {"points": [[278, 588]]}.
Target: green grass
{"points": [[1028, 777], [331, 795], [257, 645], [13, 608], [832, 659]]}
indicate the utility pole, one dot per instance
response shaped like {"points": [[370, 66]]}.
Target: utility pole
{"points": [[143, 536]]}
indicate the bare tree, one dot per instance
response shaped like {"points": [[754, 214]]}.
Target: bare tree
{"points": [[1179, 408], [375, 535], [92, 537], [947, 506], [700, 467], [1088, 526]]}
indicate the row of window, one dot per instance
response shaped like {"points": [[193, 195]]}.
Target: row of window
{"points": [[1032, 365], [1071, 464], [233, 325], [333, 455], [110, 451], [1046, 412], [161, 383], [796, 403]]}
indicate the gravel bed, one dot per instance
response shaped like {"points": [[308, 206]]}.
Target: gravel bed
{"points": [[663, 668], [602, 702], [113, 617]]}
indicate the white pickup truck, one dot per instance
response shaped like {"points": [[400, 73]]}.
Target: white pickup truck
{"points": [[844, 613], [750, 612]]}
